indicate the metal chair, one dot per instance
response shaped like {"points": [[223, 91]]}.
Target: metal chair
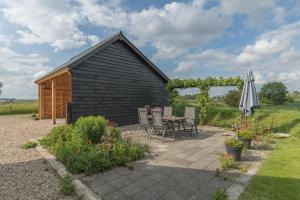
{"points": [[159, 126], [144, 122], [167, 111], [190, 114]]}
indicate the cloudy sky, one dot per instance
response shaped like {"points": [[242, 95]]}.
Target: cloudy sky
{"points": [[186, 39]]}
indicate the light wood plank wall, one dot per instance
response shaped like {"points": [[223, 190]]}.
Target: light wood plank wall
{"points": [[63, 96]]}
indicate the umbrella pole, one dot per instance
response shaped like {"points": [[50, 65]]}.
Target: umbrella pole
{"points": [[246, 122]]}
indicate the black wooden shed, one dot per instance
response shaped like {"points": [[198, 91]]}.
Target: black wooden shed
{"points": [[112, 78]]}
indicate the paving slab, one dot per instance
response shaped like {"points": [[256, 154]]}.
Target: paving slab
{"points": [[180, 169]]}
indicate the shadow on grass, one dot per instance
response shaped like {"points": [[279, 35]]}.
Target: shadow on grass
{"points": [[287, 126], [268, 187]]}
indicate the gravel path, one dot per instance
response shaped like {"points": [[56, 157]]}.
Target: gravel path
{"points": [[24, 174]]}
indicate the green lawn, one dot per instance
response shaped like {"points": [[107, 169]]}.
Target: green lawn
{"points": [[19, 107], [279, 176]]}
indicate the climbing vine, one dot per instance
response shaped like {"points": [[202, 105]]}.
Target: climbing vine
{"points": [[204, 85]]}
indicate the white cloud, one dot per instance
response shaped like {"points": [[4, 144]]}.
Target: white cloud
{"points": [[5, 40], [279, 41], [274, 56], [17, 72], [256, 11], [52, 22], [172, 29]]}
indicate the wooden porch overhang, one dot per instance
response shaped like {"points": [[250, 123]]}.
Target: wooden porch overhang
{"points": [[54, 93]]}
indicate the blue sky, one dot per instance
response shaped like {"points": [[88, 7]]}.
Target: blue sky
{"points": [[186, 39]]}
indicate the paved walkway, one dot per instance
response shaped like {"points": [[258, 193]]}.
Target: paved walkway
{"points": [[183, 169], [24, 174]]}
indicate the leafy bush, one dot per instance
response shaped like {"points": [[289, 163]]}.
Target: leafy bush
{"points": [[232, 98], [118, 153], [220, 195], [233, 143], [29, 145], [57, 134], [77, 151], [227, 162], [94, 159], [66, 185], [245, 134], [274, 93], [93, 127]]}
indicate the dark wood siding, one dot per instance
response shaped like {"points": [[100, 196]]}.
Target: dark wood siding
{"points": [[114, 83]]}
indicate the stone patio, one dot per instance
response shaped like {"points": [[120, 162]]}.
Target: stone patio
{"points": [[180, 169]]}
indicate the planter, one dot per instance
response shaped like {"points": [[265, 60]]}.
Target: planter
{"points": [[236, 153], [247, 142]]}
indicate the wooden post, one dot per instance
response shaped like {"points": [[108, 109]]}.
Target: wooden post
{"points": [[53, 81], [41, 101]]}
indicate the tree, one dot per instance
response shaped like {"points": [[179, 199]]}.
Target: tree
{"points": [[274, 93], [1, 85], [232, 98]]}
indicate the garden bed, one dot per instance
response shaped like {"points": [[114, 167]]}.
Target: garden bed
{"points": [[91, 145]]}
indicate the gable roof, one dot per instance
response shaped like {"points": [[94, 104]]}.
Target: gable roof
{"points": [[81, 57]]}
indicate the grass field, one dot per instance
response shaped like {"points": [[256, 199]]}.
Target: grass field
{"points": [[279, 176], [19, 107]]}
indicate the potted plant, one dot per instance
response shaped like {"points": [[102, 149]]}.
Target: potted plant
{"points": [[234, 148], [246, 136]]}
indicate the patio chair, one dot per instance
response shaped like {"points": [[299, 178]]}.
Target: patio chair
{"points": [[189, 123], [167, 111], [159, 125], [144, 122]]}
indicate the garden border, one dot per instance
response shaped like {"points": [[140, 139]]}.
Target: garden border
{"points": [[81, 189], [236, 189]]}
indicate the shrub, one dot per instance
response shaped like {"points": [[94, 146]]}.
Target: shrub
{"points": [[274, 93], [29, 145], [118, 153], [57, 134], [232, 98], [135, 150], [245, 134], [233, 143], [227, 162], [93, 127], [66, 185], [94, 149], [92, 160], [220, 195]]}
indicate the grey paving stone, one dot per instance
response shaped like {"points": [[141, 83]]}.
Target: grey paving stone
{"points": [[103, 190], [219, 183], [132, 189], [157, 176], [145, 182], [156, 191], [182, 174], [206, 192], [121, 181], [116, 196], [173, 195], [205, 175], [135, 175]]}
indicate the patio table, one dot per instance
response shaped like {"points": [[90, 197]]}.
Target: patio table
{"points": [[174, 119]]}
